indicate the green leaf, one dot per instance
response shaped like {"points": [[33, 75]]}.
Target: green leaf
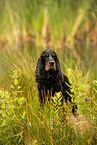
{"points": [[16, 82], [19, 87]]}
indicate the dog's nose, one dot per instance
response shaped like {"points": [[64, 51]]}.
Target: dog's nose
{"points": [[51, 63]]}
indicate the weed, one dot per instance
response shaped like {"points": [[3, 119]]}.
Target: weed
{"points": [[12, 112]]}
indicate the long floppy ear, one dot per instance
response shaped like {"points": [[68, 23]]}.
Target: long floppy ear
{"points": [[58, 68], [39, 69]]}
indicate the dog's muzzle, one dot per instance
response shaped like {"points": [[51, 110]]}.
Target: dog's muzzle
{"points": [[50, 65]]}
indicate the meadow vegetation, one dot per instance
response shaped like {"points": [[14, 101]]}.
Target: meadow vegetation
{"points": [[27, 27]]}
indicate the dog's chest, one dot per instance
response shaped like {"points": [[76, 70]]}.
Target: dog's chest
{"points": [[52, 82]]}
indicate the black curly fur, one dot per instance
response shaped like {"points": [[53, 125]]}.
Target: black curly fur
{"points": [[50, 82]]}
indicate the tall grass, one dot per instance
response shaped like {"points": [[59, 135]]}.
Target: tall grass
{"points": [[25, 121], [25, 26], [47, 23]]}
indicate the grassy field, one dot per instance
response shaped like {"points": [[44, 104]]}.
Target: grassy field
{"points": [[25, 121], [26, 29]]}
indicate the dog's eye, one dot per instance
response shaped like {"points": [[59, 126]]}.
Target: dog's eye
{"points": [[46, 55], [53, 55]]}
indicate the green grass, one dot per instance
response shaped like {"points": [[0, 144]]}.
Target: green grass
{"points": [[47, 23], [27, 27], [25, 121]]}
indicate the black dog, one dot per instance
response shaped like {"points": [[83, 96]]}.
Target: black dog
{"points": [[50, 79]]}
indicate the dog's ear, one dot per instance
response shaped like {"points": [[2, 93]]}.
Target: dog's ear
{"points": [[39, 69], [58, 68], [39, 64]]}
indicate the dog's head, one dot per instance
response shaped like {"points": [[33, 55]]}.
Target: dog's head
{"points": [[50, 60]]}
